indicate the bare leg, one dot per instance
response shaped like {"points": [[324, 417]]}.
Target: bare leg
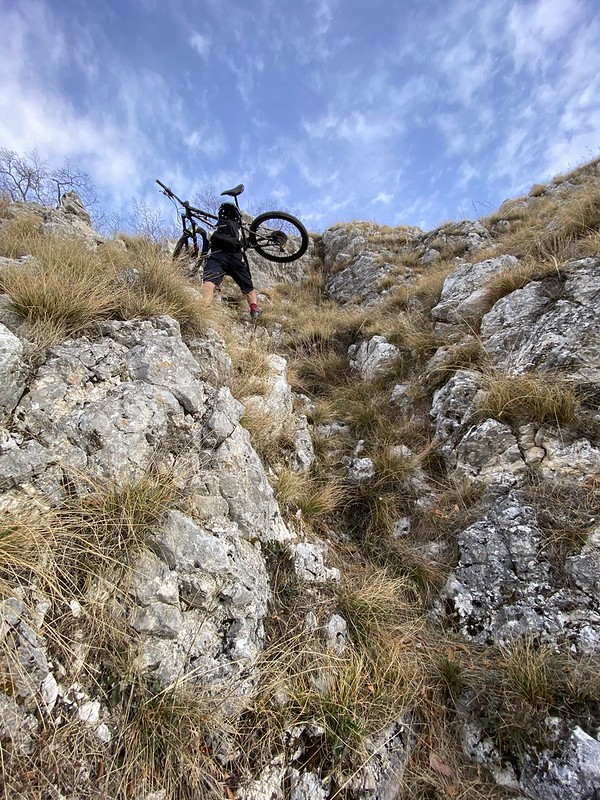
{"points": [[252, 298], [208, 290]]}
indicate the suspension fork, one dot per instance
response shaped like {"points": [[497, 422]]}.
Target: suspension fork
{"points": [[191, 231]]}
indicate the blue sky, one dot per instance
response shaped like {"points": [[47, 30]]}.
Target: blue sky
{"points": [[413, 112]]}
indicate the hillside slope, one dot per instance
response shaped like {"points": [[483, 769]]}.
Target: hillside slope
{"points": [[353, 551]]}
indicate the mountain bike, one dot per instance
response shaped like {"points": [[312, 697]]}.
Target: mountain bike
{"points": [[275, 235]]}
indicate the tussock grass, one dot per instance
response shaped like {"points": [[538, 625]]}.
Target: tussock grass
{"points": [[26, 549], [526, 271], [321, 374], [518, 693], [366, 408], [80, 552], [161, 289], [566, 512], [21, 235], [575, 219], [111, 522], [424, 293], [251, 369], [65, 289], [347, 694], [590, 245], [376, 605], [391, 237], [413, 333], [164, 743], [311, 322], [552, 227], [449, 248], [540, 397], [312, 497]]}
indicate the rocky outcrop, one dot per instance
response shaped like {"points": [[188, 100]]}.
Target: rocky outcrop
{"points": [[549, 325], [136, 397]]}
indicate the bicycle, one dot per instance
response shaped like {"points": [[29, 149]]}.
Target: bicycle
{"points": [[275, 235]]}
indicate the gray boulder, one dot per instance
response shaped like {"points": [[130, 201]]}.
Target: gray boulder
{"points": [[13, 371]]}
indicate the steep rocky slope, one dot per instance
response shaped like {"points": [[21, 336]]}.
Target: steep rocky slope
{"points": [[351, 552]]}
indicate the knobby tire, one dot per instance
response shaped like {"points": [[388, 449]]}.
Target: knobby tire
{"points": [[185, 245], [263, 236]]}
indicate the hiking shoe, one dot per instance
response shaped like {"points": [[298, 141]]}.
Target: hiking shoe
{"points": [[255, 312]]}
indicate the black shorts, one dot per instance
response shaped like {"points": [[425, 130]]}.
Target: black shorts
{"points": [[220, 264]]}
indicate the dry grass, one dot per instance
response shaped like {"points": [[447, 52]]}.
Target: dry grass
{"points": [[309, 321], [424, 293], [518, 276], [161, 289], [590, 245], [517, 399], [251, 369], [377, 606], [311, 498], [164, 743], [526, 682], [80, 553], [21, 236], [413, 333], [26, 551], [111, 523], [65, 289], [553, 227], [321, 374]]}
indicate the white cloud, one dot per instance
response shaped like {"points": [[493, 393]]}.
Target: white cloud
{"points": [[536, 26], [200, 43], [383, 197]]}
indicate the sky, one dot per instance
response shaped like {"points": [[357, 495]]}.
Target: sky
{"points": [[411, 112]]}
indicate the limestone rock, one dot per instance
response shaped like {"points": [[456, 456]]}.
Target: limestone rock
{"points": [[373, 357], [464, 297], [199, 602], [503, 587], [13, 371], [543, 327], [572, 773]]}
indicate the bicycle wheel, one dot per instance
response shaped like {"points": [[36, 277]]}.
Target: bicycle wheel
{"points": [[278, 236], [186, 250]]}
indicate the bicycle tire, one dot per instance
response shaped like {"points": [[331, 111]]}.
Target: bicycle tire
{"points": [[185, 246], [265, 236]]}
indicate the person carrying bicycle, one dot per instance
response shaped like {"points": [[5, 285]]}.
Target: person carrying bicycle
{"points": [[228, 258]]}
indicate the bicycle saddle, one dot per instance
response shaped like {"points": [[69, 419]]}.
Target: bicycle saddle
{"points": [[235, 191]]}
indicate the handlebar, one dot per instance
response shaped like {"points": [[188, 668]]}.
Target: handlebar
{"points": [[185, 203]]}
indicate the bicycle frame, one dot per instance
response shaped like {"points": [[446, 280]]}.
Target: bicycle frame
{"points": [[270, 234]]}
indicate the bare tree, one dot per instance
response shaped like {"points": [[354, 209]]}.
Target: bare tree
{"points": [[146, 221], [210, 199], [29, 178]]}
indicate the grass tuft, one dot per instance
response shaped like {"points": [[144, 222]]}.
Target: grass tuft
{"points": [[517, 399]]}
